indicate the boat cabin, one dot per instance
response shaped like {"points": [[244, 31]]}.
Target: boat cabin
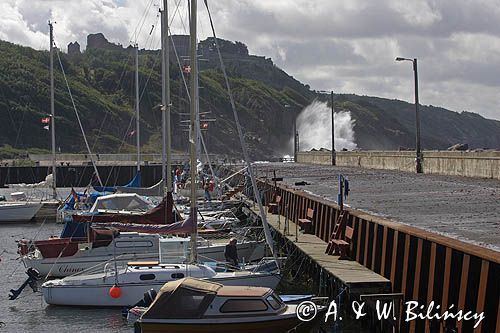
{"points": [[196, 299]]}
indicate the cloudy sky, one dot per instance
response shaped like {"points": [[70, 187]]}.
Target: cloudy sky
{"points": [[344, 46]]}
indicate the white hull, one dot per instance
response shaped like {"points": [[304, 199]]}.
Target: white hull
{"points": [[84, 260], [18, 211], [96, 292], [186, 192]]}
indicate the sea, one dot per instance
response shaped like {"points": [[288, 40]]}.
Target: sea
{"points": [[29, 312]]}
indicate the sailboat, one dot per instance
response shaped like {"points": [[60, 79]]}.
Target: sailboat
{"points": [[22, 211], [18, 211], [124, 287]]}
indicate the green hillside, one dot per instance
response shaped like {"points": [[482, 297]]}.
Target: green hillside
{"points": [[267, 99]]}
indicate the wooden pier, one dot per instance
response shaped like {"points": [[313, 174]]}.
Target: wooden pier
{"points": [[421, 265], [351, 274]]}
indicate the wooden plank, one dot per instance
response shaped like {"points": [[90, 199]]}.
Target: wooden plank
{"points": [[430, 282], [394, 258], [351, 244], [374, 246], [405, 264], [317, 219], [367, 236], [322, 221], [481, 295], [446, 282], [361, 224], [416, 283], [463, 287], [384, 250], [418, 269]]}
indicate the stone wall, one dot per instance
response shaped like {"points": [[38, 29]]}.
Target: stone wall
{"points": [[456, 163]]}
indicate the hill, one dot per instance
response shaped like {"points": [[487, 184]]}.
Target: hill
{"points": [[268, 99]]}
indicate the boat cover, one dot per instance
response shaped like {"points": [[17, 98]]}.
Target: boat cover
{"points": [[122, 201], [153, 191], [155, 215], [181, 227], [186, 298], [135, 182]]}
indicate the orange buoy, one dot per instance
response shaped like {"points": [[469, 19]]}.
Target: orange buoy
{"points": [[115, 291]]}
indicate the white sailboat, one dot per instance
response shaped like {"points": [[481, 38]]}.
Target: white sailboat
{"points": [[18, 211], [124, 287], [79, 255]]}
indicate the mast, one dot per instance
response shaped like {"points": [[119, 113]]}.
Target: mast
{"points": [[52, 111], [166, 154], [137, 119], [164, 40], [193, 132], [166, 130], [168, 103]]}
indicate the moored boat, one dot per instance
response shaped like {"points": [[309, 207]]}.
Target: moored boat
{"points": [[18, 211], [136, 278], [61, 257], [191, 305]]}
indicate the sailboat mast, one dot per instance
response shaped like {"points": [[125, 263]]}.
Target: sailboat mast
{"points": [[193, 131], [52, 111], [137, 119], [164, 41], [168, 102]]}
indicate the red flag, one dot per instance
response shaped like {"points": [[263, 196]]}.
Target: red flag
{"points": [[186, 69], [204, 125], [45, 120], [74, 194]]}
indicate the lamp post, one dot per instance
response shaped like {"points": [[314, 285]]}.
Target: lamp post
{"points": [[417, 116]]}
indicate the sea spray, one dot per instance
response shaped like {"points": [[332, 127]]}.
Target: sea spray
{"points": [[314, 125]]}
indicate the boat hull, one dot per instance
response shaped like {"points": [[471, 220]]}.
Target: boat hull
{"points": [[98, 294], [84, 260], [277, 324], [18, 211]]}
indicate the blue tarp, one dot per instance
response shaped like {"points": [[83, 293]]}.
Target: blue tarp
{"points": [[74, 229]]}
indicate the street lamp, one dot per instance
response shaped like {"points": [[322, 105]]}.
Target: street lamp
{"points": [[417, 117], [333, 127]]}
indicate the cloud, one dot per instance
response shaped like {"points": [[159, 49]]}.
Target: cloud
{"points": [[346, 46]]}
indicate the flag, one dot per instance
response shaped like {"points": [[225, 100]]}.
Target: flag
{"points": [[74, 194], [186, 69], [45, 120], [46, 127], [204, 125]]}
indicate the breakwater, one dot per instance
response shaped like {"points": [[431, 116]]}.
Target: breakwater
{"points": [[485, 164]]}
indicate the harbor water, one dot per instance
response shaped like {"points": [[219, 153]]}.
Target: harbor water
{"points": [[29, 313]]}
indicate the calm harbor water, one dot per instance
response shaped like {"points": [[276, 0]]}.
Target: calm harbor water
{"points": [[29, 313]]}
